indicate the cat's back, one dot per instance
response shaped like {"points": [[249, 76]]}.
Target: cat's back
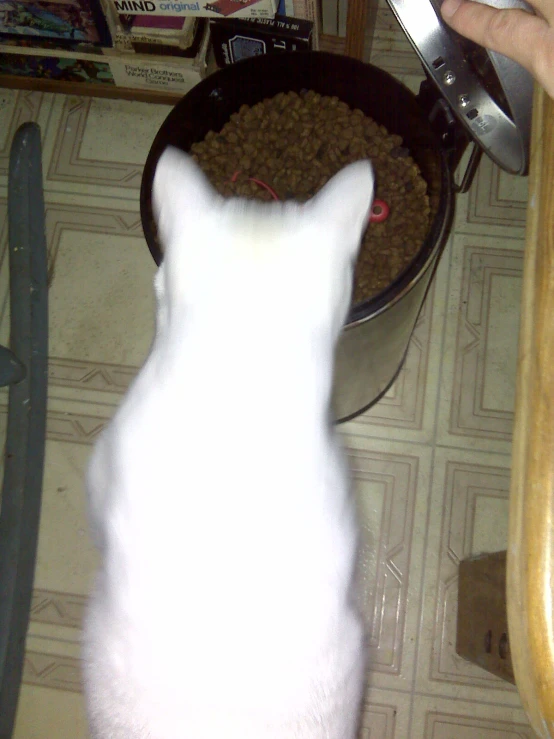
{"points": [[229, 578], [219, 492]]}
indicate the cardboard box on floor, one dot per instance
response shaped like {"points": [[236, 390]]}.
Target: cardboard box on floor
{"points": [[482, 628]]}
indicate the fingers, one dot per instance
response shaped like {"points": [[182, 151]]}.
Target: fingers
{"points": [[525, 38], [543, 8]]}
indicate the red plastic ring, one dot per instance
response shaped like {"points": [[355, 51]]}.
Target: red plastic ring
{"points": [[379, 211], [269, 189]]}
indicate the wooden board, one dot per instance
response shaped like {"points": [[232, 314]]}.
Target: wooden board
{"points": [[360, 24], [531, 534], [88, 89]]}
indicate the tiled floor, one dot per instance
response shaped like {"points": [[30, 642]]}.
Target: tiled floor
{"points": [[431, 461]]}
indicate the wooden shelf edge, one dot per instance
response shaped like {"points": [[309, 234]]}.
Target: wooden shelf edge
{"points": [[333, 44], [88, 89]]}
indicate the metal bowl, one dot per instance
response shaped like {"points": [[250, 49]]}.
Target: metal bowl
{"points": [[375, 340]]}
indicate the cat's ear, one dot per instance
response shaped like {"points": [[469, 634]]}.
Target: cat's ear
{"points": [[345, 201], [179, 190]]}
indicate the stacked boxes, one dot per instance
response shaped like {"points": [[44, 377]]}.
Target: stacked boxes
{"points": [[163, 35], [144, 44], [108, 67], [50, 23]]}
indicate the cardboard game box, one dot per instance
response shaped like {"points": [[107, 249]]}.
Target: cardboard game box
{"points": [[200, 8], [234, 40], [54, 23], [162, 35], [107, 67]]}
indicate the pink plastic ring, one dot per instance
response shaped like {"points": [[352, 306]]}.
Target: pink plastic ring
{"points": [[379, 211]]}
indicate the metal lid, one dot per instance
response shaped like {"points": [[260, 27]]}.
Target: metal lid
{"points": [[490, 94]]}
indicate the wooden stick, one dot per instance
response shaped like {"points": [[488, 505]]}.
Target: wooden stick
{"points": [[360, 22], [334, 44], [531, 534]]}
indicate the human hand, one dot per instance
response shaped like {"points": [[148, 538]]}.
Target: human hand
{"points": [[526, 38]]}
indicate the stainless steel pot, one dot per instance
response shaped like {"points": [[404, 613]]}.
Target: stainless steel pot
{"points": [[375, 340]]}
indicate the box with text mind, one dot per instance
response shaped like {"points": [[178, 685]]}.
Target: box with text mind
{"points": [[200, 8]]}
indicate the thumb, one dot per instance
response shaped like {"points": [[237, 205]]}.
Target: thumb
{"points": [[511, 32]]}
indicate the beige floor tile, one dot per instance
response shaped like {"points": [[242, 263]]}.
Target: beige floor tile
{"points": [[480, 351], [435, 718], [66, 557], [101, 310], [468, 515], [53, 662], [101, 301], [71, 420], [386, 715], [66, 561], [101, 315], [495, 205], [110, 164], [391, 480], [50, 714], [16, 107], [77, 421]]}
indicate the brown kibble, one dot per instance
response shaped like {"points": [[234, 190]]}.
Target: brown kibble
{"points": [[347, 133], [296, 143]]}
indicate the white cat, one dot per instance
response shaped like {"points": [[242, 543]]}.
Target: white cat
{"points": [[219, 496]]}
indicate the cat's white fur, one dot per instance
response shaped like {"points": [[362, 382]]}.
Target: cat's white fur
{"points": [[219, 496]]}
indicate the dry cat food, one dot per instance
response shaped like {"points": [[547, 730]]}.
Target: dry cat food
{"points": [[288, 147]]}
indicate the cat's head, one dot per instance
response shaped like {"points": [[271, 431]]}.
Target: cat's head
{"points": [[280, 259]]}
